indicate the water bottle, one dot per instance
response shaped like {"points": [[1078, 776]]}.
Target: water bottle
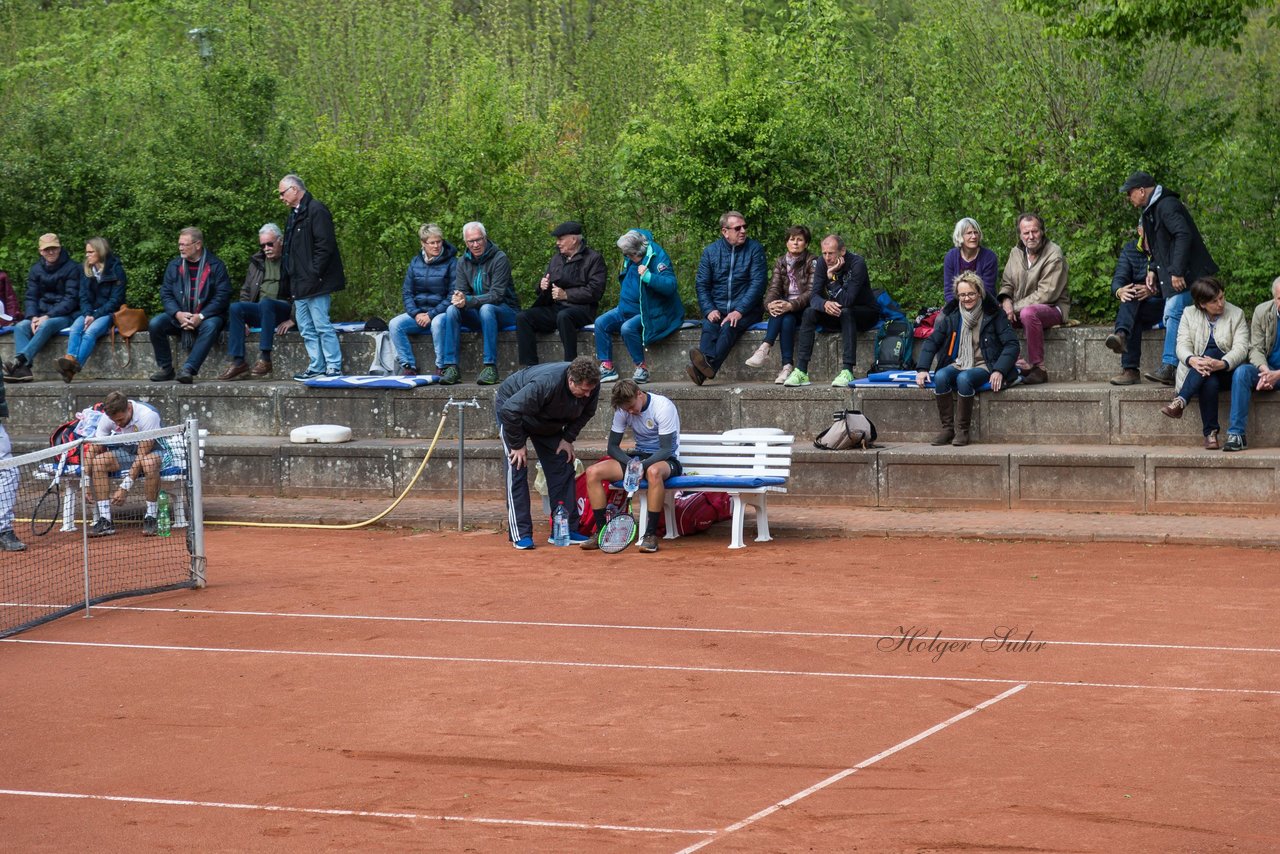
{"points": [[163, 518], [631, 482], [560, 526]]}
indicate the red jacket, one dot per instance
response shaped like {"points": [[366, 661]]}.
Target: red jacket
{"points": [[12, 306]]}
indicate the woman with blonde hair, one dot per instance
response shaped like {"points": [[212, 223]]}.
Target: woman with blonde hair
{"points": [[102, 287]]}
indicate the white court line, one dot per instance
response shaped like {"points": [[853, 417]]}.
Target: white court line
{"points": [[600, 665], [174, 802], [836, 778], [642, 628]]}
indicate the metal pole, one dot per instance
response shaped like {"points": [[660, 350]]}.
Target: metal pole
{"points": [[85, 485], [462, 407], [195, 515]]}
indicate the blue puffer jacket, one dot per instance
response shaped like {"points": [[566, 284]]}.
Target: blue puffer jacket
{"points": [[655, 297], [732, 278], [53, 289], [103, 294], [428, 284]]}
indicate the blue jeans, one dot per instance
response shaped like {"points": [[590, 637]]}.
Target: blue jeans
{"points": [[784, 326], [967, 383], [1173, 308], [1243, 383], [81, 341], [318, 334], [27, 345], [163, 325], [614, 322], [1132, 318], [401, 327], [268, 314], [488, 320]]}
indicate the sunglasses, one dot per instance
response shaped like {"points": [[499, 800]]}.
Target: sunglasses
{"points": [[735, 227]]}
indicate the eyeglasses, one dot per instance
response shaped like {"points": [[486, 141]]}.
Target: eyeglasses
{"points": [[966, 296], [742, 227], [474, 240]]}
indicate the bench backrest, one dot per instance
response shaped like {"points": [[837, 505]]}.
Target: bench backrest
{"points": [[714, 455]]}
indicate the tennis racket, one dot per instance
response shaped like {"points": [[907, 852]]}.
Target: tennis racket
{"points": [[49, 507], [620, 531]]}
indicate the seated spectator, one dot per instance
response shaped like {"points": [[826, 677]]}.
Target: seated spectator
{"points": [[567, 297], [649, 307], [102, 287], [1213, 340], [52, 302], [140, 460], [9, 541], [785, 300], [483, 299], [260, 305], [1261, 373], [196, 294], [841, 299], [973, 343], [655, 425], [730, 286], [1033, 291], [1141, 307], [10, 307], [969, 255], [425, 294]]}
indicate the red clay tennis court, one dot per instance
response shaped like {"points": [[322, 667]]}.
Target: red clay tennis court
{"points": [[381, 690]]}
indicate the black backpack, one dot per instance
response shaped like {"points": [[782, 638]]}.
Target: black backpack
{"points": [[894, 340]]}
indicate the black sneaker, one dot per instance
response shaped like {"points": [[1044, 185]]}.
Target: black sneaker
{"points": [[1163, 374], [102, 528], [308, 374], [9, 542], [1235, 442], [18, 373], [185, 377], [163, 375], [149, 527]]}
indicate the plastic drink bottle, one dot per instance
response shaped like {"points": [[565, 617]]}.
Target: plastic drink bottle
{"points": [[163, 518], [560, 526], [632, 480]]}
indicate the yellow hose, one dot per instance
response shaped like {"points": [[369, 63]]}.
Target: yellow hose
{"points": [[352, 525]]}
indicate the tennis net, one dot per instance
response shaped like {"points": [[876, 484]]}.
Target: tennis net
{"points": [[67, 564]]}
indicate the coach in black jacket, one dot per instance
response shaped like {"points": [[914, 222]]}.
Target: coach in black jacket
{"points": [[312, 274], [567, 296], [547, 405]]}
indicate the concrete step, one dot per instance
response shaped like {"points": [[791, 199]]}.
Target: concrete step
{"points": [[899, 475]]}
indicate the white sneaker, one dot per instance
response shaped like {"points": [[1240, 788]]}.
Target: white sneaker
{"points": [[783, 374], [758, 358]]}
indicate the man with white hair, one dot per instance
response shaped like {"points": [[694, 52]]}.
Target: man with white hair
{"points": [[1262, 371], [260, 305], [483, 299], [312, 275]]}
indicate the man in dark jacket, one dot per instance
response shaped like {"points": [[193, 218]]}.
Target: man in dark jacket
{"points": [[312, 274], [547, 405], [260, 305], [52, 302], [1141, 307], [196, 293], [483, 300], [730, 286], [567, 297], [1178, 258], [841, 299]]}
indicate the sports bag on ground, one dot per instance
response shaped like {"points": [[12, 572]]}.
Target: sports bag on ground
{"points": [[849, 429]]}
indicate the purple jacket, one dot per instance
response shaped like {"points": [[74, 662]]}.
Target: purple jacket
{"points": [[986, 265]]}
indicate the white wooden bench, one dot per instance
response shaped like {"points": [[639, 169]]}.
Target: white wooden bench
{"points": [[748, 463]]}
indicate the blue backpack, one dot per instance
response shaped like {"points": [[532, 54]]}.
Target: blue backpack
{"points": [[894, 336]]}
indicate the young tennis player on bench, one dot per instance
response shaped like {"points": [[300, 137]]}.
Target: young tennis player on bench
{"points": [[654, 422]]}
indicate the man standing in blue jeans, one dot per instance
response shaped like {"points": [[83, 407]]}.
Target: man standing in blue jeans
{"points": [[1260, 373], [259, 305], [484, 298], [196, 293], [1178, 258], [52, 301], [312, 274]]}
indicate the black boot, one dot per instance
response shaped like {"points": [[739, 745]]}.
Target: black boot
{"points": [[946, 410], [964, 415]]}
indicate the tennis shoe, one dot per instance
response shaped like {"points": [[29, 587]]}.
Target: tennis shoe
{"points": [[488, 376], [332, 373], [842, 379], [9, 542], [608, 375], [1235, 442], [524, 544], [641, 376], [797, 378], [308, 374], [579, 537], [760, 356], [649, 543], [591, 544], [149, 527], [784, 373], [449, 376], [102, 528]]}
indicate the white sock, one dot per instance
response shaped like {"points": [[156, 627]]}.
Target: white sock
{"points": [[104, 509], [151, 508]]}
